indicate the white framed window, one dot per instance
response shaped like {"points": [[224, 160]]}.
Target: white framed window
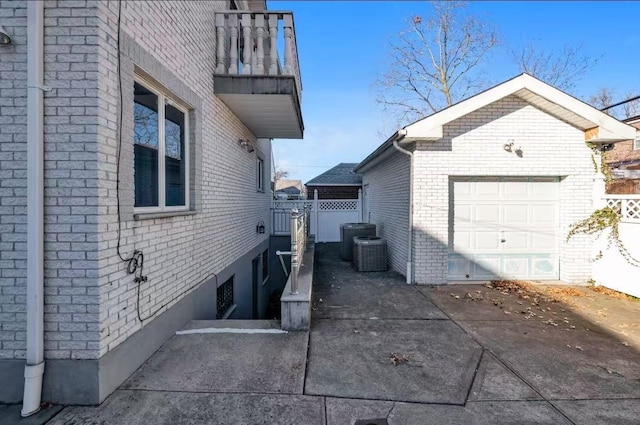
{"points": [[260, 175], [161, 150], [636, 142]]}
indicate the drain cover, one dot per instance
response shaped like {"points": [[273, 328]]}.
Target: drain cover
{"points": [[372, 422]]}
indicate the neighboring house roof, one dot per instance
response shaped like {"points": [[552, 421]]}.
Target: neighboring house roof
{"points": [[598, 126], [289, 190], [340, 175], [291, 187]]}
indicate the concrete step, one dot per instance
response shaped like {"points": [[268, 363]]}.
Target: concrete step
{"points": [[233, 324]]}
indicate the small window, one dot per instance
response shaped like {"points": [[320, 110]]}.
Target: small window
{"points": [[265, 265], [260, 174], [224, 300], [161, 151], [636, 143]]}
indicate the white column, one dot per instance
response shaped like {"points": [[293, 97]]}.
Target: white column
{"points": [[233, 46], [288, 44], [273, 48], [221, 33], [360, 209], [248, 44], [259, 70]]}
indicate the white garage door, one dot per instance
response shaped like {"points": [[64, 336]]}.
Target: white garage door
{"points": [[504, 227]]}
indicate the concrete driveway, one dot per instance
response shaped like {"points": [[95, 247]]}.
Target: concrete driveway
{"points": [[474, 355], [383, 352]]}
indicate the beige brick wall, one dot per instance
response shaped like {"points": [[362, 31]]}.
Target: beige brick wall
{"points": [[473, 146]]}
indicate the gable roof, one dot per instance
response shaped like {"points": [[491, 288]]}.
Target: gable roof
{"points": [[340, 175], [597, 125]]}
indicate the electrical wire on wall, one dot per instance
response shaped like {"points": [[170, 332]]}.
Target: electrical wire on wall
{"points": [[135, 262]]}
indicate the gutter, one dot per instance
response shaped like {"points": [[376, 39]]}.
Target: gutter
{"points": [[410, 229], [34, 366]]}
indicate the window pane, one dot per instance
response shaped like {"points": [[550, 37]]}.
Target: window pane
{"points": [[260, 174], [175, 171], [145, 136]]}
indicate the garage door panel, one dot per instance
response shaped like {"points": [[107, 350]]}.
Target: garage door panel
{"points": [[462, 190], [462, 241], [516, 266], [515, 214], [545, 266], [515, 240], [485, 267], [544, 214], [463, 214], [485, 240], [486, 190], [459, 267], [516, 189], [541, 241], [485, 214], [505, 227]]}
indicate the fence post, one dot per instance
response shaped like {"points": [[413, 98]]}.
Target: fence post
{"points": [[360, 209], [294, 251], [315, 208]]}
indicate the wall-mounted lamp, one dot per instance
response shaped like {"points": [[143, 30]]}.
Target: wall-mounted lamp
{"points": [[246, 144], [508, 147], [5, 38], [260, 227]]}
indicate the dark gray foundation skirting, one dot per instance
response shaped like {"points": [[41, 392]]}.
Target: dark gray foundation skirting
{"points": [[89, 382]]}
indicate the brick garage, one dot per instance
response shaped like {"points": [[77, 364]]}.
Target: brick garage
{"points": [[507, 133]]}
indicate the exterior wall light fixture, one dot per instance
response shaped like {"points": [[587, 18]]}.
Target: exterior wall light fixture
{"points": [[5, 38], [260, 227]]}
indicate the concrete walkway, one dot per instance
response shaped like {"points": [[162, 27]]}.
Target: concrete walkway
{"points": [[383, 352]]}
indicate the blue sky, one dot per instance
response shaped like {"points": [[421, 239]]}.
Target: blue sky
{"points": [[342, 47]]}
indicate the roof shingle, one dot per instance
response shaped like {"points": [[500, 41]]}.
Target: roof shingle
{"points": [[341, 174]]}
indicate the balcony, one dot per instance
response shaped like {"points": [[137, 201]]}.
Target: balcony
{"points": [[250, 77]]}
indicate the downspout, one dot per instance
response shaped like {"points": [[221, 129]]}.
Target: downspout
{"points": [[34, 367], [400, 135]]}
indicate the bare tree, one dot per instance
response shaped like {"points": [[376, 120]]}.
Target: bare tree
{"points": [[280, 174], [602, 98], [631, 108], [435, 61], [561, 68]]}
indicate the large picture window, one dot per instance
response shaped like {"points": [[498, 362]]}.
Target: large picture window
{"points": [[161, 150]]}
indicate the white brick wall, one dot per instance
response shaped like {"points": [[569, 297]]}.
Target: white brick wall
{"points": [[179, 251], [90, 304], [473, 146], [388, 201], [13, 169]]}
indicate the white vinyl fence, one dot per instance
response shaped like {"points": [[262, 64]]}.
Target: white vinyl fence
{"points": [[326, 216], [611, 268]]}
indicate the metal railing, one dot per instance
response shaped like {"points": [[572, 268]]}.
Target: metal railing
{"points": [[299, 225]]}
